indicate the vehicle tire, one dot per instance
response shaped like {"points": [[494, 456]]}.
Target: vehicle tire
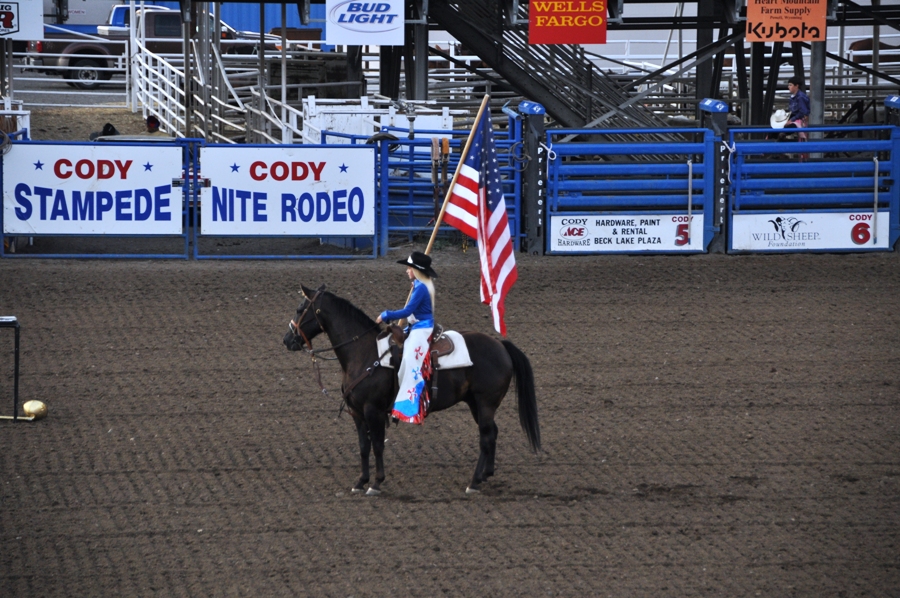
{"points": [[86, 74]]}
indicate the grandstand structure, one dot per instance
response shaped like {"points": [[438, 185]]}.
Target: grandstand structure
{"points": [[582, 87]]}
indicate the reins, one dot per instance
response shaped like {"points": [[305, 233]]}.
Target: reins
{"points": [[313, 353]]}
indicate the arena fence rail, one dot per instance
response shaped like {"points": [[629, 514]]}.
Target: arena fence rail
{"points": [[569, 191]]}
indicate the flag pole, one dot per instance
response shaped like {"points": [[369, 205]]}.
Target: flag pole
{"points": [[462, 158]]}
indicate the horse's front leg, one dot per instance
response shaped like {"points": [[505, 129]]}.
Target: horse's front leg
{"points": [[375, 421], [365, 446]]}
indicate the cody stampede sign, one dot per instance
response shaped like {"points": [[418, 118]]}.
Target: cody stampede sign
{"points": [[786, 20]]}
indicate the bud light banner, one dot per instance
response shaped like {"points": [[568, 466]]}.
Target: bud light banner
{"points": [[288, 191], [811, 231], [353, 23], [91, 190], [626, 233]]}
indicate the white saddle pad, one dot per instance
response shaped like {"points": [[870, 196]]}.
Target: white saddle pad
{"points": [[459, 358]]}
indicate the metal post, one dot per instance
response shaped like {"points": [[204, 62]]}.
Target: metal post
{"points": [[690, 182], [12, 322], [287, 136], [16, 375], [534, 187], [188, 74], [875, 209], [817, 85], [262, 80], [757, 55], [204, 63], [420, 39], [817, 91]]}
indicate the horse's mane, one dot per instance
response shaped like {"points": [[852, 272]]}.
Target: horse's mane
{"points": [[349, 312]]}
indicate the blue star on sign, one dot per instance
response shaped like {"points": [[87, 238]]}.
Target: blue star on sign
{"points": [[343, 168], [39, 165], [234, 167], [148, 166]]}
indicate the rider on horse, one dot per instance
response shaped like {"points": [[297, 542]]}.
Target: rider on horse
{"points": [[411, 402]]}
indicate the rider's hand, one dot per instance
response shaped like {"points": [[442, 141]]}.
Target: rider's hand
{"points": [[378, 320]]}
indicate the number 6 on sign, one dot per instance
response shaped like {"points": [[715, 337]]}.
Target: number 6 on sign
{"points": [[860, 233]]}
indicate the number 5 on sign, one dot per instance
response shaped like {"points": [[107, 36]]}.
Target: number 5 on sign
{"points": [[682, 231]]}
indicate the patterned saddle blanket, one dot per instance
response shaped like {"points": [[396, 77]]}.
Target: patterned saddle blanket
{"points": [[448, 350]]}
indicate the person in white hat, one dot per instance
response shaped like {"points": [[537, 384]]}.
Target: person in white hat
{"points": [[410, 404], [779, 119], [797, 116]]}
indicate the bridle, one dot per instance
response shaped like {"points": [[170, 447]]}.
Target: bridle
{"points": [[296, 331], [295, 326], [313, 353]]}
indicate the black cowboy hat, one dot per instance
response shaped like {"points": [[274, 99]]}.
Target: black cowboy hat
{"points": [[420, 262]]}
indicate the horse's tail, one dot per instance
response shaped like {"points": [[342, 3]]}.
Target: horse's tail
{"points": [[528, 415]]}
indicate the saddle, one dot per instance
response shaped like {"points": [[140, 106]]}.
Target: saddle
{"points": [[441, 344]]}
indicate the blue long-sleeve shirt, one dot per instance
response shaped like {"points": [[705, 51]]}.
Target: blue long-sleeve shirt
{"points": [[419, 305], [798, 104]]}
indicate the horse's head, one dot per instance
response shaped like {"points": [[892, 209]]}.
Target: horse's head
{"points": [[305, 325]]}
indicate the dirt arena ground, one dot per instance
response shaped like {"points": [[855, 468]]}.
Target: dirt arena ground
{"points": [[712, 426]]}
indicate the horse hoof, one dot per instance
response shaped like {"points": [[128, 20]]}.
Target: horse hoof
{"points": [[356, 490], [470, 490], [372, 492]]}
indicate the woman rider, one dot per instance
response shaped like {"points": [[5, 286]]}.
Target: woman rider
{"points": [[411, 402]]}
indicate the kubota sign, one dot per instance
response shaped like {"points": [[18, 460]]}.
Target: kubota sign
{"points": [[786, 20]]}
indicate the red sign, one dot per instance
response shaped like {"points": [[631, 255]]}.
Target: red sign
{"points": [[567, 22]]}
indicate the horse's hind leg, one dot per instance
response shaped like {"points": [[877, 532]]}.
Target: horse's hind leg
{"points": [[375, 421], [365, 446], [489, 463], [487, 433]]}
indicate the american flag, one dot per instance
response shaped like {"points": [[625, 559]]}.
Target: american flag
{"points": [[477, 208]]}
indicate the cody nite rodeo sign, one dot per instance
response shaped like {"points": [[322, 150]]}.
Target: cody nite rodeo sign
{"points": [[567, 22]]}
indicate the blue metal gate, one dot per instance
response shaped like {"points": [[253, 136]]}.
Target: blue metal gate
{"points": [[834, 192], [630, 191]]}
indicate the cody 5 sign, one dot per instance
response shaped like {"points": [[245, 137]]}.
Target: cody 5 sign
{"points": [[567, 22]]}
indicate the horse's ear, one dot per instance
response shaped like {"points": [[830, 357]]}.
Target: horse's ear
{"points": [[321, 288], [306, 292]]}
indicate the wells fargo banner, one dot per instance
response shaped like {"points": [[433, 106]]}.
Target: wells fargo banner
{"points": [[786, 20], [567, 22]]}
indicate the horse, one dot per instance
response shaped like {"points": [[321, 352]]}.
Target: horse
{"points": [[866, 48], [369, 389]]}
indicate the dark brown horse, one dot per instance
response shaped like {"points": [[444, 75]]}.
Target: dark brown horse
{"points": [[370, 389]]}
